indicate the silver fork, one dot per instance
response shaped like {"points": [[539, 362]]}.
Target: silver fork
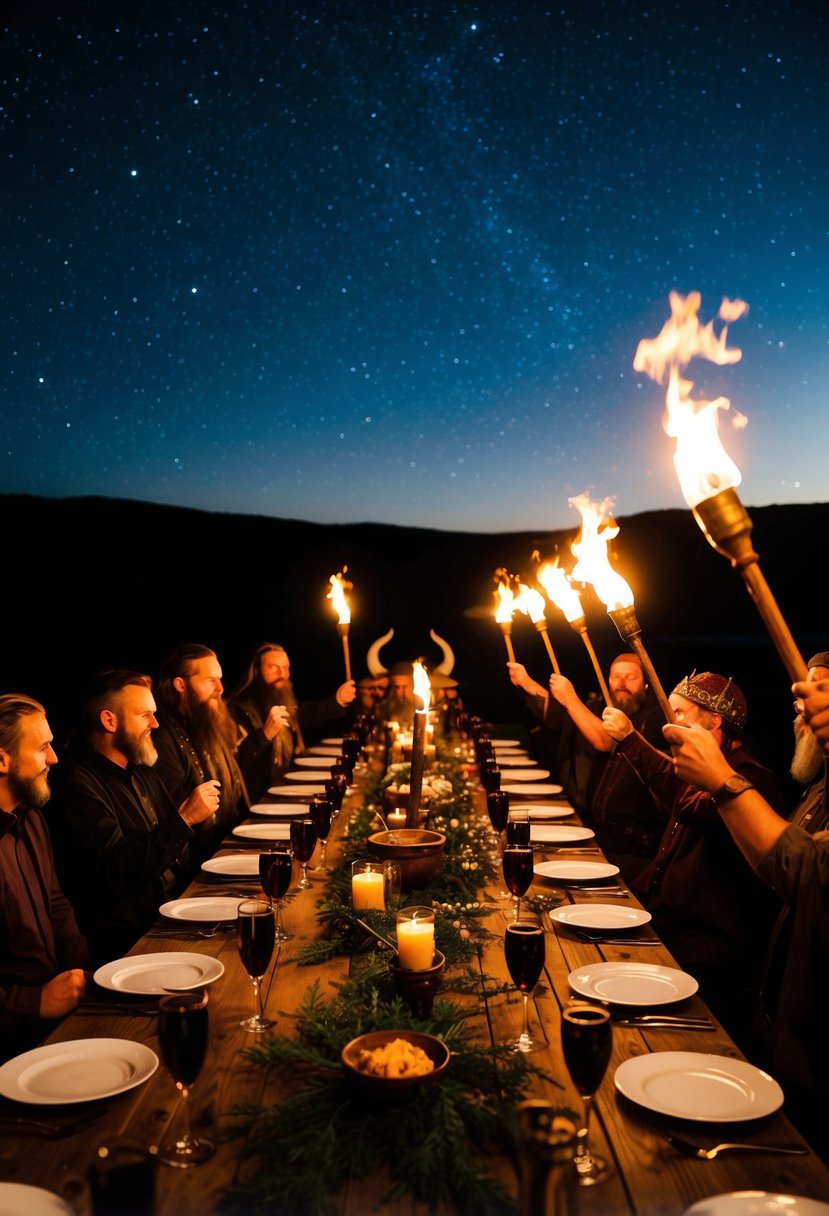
{"points": [[708, 1154]]}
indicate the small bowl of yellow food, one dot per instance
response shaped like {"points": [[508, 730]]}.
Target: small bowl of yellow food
{"points": [[394, 1063]]}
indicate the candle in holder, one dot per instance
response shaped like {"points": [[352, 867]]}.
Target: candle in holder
{"points": [[367, 886], [396, 818], [415, 938], [423, 691]]}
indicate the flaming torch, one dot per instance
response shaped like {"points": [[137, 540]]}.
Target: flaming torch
{"points": [[423, 691], [561, 592], [707, 475], [531, 602], [593, 566], [339, 586], [505, 604]]}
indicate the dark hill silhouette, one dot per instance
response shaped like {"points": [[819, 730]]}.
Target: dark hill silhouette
{"points": [[116, 582]]}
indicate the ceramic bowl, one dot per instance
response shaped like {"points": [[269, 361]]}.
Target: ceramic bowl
{"points": [[395, 1087]]}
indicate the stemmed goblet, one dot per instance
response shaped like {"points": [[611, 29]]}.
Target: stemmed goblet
{"points": [[524, 955], [518, 826], [517, 864], [586, 1043], [321, 812], [275, 870], [182, 1038], [497, 806], [335, 787], [255, 937], [303, 843]]}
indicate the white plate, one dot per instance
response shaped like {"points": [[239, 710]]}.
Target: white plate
{"points": [[506, 743], [575, 871], [632, 983], [322, 749], [528, 774], [300, 774], [600, 916], [693, 1085], [156, 973], [560, 833], [16, 1199], [336, 741], [263, 831], [529, 788], [207, 908], [281, 810], [78, 1071], [543, 810], [513, 759], [288, 791], [233, 865], [756, 1203], [313, 761]]}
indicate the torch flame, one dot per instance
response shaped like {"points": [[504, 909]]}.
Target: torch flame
{"points": [[339, 586], [590, 549], [530, 602], [703, 466], [560, 591], [422, 686], [505, 603]]}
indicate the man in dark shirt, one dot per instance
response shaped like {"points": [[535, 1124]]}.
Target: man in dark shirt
{"points": [[121, 842], [43, 955]]}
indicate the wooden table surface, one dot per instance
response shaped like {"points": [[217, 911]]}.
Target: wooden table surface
{"points": [[650, 1177]]}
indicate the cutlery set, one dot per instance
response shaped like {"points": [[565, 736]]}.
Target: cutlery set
{"points": [[664, 1021], [708, 1154]]}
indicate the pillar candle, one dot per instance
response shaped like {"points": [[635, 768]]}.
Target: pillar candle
{"points": [[415, 944], [416, 778], [367, 890]]}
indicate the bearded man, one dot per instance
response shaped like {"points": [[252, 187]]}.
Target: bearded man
{"points": [[121, 842], [43, 954], [197, 741]]}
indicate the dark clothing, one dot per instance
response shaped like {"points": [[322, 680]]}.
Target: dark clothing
{"points": [[181, 767], [121, 848], [707, 903], [797, 868], [39, 935]]}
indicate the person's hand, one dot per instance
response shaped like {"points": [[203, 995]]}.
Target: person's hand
{"points": [[346, 693], [813, 698], [563, 690], [63, 993], [519, 676], [617, 724], [698, 758], [279, 716], [202, 803]]}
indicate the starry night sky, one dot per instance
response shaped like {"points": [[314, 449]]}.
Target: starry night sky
{"points": [[346, 261]]}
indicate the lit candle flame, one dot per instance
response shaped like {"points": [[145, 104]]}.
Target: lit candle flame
{"points": [[559, 590], [703, 466], [590, 549], [422, 686], [339, 586]]}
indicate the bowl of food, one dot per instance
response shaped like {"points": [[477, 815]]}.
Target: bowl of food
{"points": [[394, 1063], [419, 852]]}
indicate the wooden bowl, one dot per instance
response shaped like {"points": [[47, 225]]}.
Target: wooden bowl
{"points": [[395, 1087], [419, 852]]}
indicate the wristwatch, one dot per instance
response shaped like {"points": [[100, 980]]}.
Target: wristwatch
{"points": [[731, 788]]}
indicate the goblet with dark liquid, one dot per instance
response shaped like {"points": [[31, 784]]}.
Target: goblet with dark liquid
{"points": [[518, 827], [517, 864], [303, 843], [321, 812], [275, 869], [524, 955], [182, 1038], [497, 807], [491, 775], [255, 937], [586, 1043]]}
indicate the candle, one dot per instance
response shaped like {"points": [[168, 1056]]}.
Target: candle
{"points": [[422, 690], [367, 887], [415, 938], [396, 819]]}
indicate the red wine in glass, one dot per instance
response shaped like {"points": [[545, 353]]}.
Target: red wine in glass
{"points": [[303, 843], [517, 864], [524, 956], [497, 806], [321, 812], [182, 1038], [586, 1044], [275, 869], [335, 791], [518, 831], [255, 938]]}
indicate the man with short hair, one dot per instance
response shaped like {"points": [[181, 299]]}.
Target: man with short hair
{"points": [[707, 905], [121, 842], [43, 955]]}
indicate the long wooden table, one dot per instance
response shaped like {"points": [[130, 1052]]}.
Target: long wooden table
{"points": [[650, 1178]]}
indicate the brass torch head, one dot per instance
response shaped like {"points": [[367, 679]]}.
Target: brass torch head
{"points": [[625, 621], [727, 526]]}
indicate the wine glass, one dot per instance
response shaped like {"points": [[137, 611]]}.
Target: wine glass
{"points": [[517, 864], [255, 937], [518, 826], [586, 1042], [303, 843], [335, 787], [524, 954], [497, 806], [321, 812], [182, 1038], [275, 870]]}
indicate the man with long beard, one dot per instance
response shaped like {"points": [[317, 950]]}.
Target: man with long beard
{"points": [[43, 955], [197, 741], [121, 842], [266, 709], [792, 856]]}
